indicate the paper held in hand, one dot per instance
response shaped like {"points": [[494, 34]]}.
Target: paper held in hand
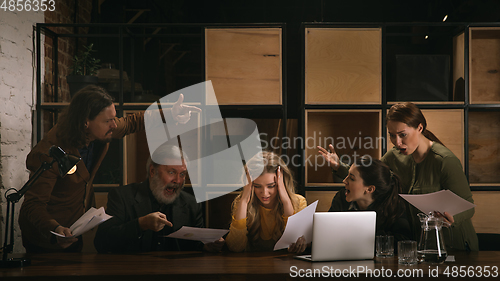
{"points": [[92, 218], [205, 235], [442, 201], [299, 224]]}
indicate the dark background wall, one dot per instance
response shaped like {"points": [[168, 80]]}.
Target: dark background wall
{"points": [[163, 78]]}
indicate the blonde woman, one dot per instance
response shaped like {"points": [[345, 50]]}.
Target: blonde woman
{"points": [[260, 212]]}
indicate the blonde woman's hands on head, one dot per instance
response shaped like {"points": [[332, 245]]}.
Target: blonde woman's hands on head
{"points": [[155, 221], [330, 156], [247, 190], [299, 246], [280, 183], [64, 242], [181, 112], [246, 195], [283, 194]]}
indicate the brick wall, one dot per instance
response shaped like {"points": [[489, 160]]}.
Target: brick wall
{"points": [[64, 13], [16, 103], [17, 88]]}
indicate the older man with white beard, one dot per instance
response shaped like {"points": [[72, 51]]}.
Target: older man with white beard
{"points": [[144, 213]]}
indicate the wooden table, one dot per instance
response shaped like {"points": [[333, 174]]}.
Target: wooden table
{"points": [[239, 266]]}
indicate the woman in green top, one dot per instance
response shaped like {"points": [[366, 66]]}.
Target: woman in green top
{"points": [[424, 165]]}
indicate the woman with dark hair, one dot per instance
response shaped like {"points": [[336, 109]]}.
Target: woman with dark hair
{"points": [[424, 165], [371, 186]]}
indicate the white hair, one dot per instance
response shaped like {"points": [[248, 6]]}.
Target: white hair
{"points": [[166, 155]]}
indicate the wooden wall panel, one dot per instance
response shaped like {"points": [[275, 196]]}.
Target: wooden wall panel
{"points": [[484, 147], [448, 126], [324, 197], [343, 65], [244, 65], [101, 199], [486, 218], [135, 158], [353, 133], [458, 67], [484, 60]]}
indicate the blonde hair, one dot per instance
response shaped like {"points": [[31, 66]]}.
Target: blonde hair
{"points": [[267, 162]]}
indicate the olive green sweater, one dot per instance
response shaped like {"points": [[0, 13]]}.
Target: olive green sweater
{"points": [[439, 170]]}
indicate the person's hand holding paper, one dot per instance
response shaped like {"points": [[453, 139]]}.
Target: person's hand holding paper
{"points": [[205, 235], [298, 225], [92, 218], [441, 201]]}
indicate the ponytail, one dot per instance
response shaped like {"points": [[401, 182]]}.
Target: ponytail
{"points": [[392, 205], [428, 134]]}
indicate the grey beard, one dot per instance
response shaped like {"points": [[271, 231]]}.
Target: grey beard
{"points": [[157, 188]]}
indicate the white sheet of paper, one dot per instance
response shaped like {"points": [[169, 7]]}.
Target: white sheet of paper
{"points": [[92, 218], [442, 201], [205, 235], [300, 224]]}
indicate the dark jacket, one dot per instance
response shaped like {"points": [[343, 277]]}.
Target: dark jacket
{"points": [[126, 204]]}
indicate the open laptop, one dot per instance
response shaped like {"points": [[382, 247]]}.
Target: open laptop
{"points": [[342, 236]]}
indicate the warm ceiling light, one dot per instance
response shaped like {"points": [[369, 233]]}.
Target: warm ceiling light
{"points": [[426, 36], [445, 18]]}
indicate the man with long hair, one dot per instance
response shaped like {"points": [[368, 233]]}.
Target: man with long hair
{"points": [[84, 129]]}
